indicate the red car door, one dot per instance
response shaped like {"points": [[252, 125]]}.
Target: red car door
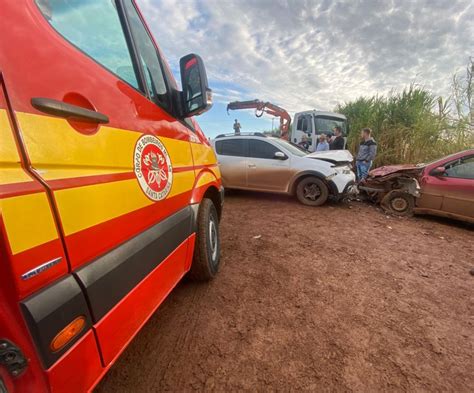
{"points": [[458, 196], [447, 187]]}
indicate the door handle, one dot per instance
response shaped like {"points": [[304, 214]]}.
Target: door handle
{"points": [[68, 111], [252, 166]]}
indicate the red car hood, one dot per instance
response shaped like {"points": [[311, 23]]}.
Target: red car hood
{"points": [[389, 169]]}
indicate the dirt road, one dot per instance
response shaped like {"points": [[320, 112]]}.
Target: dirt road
{"points": [[313, 305]]}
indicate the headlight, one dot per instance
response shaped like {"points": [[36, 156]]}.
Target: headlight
{"points": [[343, 170]]}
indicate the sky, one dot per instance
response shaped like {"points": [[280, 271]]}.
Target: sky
{"points": [[306, 54]]}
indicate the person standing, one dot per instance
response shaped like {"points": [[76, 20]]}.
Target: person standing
{"points": [[237, 127], [323, 145], [337, 143], [366, 154]]}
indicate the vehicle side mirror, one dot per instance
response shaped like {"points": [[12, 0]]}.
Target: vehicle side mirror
{"points": [[280, 156], [196, 95], [439, 171]]}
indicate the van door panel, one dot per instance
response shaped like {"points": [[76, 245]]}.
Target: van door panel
{"points": [[90, 173], [27, 221], [116, 330]]}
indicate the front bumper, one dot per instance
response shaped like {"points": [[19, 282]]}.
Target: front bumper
{"points": [[340, 182], [350, 189]]}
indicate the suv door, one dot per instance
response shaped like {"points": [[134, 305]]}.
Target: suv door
{"points": [[266, 171], [94, 107], [231, 155]]}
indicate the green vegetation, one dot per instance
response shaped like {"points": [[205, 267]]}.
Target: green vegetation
{"points": [[415, 126]]}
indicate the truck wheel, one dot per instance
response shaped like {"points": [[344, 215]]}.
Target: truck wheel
{"points": [[398, 203], [207, 245], [312, 191]]}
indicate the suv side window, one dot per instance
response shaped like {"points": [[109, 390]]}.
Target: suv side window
{"points": [[261, 149], [148, 56], [231, 147], [94, 27], [462, 168]]}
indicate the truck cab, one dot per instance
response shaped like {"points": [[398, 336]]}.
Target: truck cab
{"points": [[308, 125], [109, 191]]}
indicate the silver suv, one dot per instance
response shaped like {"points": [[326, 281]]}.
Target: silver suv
{"points": [[260, 163]]}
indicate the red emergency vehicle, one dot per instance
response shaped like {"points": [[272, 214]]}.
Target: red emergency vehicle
{"points": [[109, 191]]}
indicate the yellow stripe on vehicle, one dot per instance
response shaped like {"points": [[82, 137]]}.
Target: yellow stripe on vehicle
{"points": [[203, 154], [83, 207], [10, 164], [24, 232], [15, 174], [216, 171], [107, 151], [8, 150], [205, 178]]}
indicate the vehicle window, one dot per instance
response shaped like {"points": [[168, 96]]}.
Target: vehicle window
{"points": [[291, 147], [261, 149], [325, 125], [231, 147], [299, 123], [94, 27], [462, 168], [302, 124], [149, 57]]}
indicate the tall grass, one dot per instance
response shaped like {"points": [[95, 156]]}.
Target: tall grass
{"points": [[412, 126]]}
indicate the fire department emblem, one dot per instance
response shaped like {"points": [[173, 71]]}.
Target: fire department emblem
{"points": [[153, 168]]}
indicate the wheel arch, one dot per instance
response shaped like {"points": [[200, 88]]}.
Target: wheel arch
{"points": [[208, 185], [303, 175]]}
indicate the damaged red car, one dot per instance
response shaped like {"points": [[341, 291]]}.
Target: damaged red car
{"points": [[444, 187]]}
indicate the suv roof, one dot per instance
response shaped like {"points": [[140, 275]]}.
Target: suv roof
{"points": [[244, 134]]}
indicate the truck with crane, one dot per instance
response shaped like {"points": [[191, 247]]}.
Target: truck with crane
{"points": [[306, 126]]}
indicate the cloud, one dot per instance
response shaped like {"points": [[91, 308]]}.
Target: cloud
{"points": [[308, 54]]}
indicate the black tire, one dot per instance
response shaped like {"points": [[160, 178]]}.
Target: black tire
{"points": [[207, 247], [398, 203], [312, 191]]}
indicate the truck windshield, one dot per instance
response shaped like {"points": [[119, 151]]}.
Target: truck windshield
{"points": [[325, 125]]}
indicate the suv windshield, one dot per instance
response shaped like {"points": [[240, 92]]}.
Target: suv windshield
{"points": [[290, 147], [325, 125]]}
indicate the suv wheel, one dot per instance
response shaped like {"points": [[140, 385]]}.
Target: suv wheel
{"points": [[207, 246], [312, 191]]}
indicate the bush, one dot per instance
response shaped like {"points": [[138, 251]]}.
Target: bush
{"points": [[414, 126]]}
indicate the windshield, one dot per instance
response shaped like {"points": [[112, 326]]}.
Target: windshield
{"points": [[291, 147], [325, 125]]}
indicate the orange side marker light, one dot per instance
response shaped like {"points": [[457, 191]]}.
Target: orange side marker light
{"points": [[65, 336]]}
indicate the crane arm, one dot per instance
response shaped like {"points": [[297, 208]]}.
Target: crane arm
{"points": [[265, 107]]}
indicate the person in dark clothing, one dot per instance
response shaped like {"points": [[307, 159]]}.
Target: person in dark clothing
{"points": [[237, 127], [366, 154], [337, 143]]}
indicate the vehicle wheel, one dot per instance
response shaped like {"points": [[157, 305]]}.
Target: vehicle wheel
{"points": [[207, 246], [398, 203], [312, 191]]}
